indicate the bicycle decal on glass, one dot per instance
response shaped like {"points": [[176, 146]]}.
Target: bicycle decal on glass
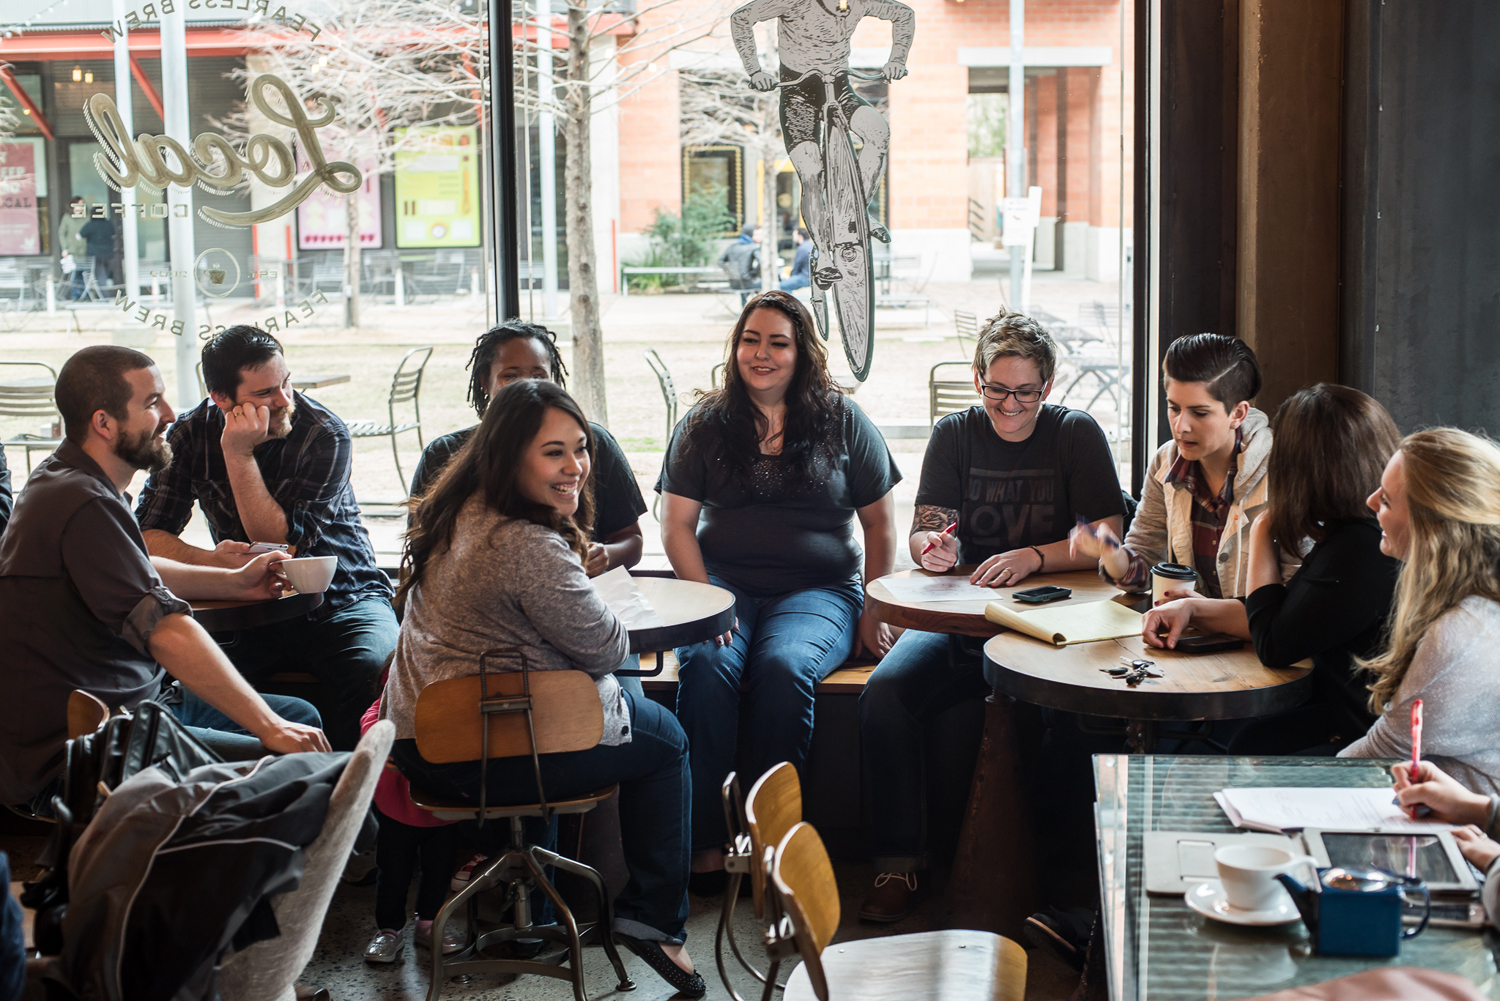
{"points": [[820, 116]]}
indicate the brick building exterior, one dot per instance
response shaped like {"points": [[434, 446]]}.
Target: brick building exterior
{"points": [[1078, 131]]}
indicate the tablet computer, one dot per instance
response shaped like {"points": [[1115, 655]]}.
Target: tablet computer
{"points": [[1433, 858]]}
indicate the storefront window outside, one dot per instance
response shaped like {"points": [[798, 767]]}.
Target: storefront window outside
{"points": [[414, 126]]}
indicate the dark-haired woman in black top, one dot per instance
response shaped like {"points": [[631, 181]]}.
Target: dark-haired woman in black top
{"points": [[1332, 443], [761, 484]]}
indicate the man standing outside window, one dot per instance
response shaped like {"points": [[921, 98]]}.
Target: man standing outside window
{"points": [[69, 238], [267, 464], [801, 275], [814, 35]]}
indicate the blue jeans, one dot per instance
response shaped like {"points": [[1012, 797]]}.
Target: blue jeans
{"points": [[795, 282], [782, 647], [224, 736], [346, 652], [655, 789], [924, 674]]}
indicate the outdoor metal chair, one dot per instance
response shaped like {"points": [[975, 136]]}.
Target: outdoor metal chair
{"points": [[966, 325], [1104, 366], [949, 396], [406, 387], [31, 396], [669, 397], [93, 288]]}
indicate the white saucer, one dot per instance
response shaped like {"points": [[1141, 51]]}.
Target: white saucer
{"points": [[1208, 899]]}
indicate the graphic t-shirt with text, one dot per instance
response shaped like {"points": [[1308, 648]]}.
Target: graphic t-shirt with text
{"points": [[1010, 495]]}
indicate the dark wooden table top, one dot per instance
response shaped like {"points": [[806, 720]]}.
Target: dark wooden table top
{"points": [[227, 616]]}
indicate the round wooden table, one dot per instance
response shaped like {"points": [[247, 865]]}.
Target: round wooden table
{"points": [[966, 618], [1208, 686], [693, 612], [229, 616], [1229, 685]]}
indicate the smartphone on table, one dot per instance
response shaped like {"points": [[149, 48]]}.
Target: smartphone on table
{"points": [[1040, 595], [1209, 643]]}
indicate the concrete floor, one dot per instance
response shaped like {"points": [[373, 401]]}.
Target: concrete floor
{"points": [[349, 925]]}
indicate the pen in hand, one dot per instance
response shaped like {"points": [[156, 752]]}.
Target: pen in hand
{"points": [[1416, 747], [947, 531]]}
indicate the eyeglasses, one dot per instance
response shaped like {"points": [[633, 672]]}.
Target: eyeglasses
{"points": [[996, 393]]}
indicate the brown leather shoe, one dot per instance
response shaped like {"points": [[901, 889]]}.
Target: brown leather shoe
{"points": [[892, 898]]}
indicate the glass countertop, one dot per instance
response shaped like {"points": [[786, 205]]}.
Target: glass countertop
{"points": [[1157, 949]]}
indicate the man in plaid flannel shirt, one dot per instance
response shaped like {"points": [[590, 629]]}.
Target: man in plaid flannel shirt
{"points": [[267, 464]]}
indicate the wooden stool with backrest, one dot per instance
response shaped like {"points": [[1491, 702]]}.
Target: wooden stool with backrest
{"points": [[961, 964], [773, 806], [506, 714]]}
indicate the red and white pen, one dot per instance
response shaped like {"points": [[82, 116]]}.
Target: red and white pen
{"points": [[1416, 745], [947, 531]]}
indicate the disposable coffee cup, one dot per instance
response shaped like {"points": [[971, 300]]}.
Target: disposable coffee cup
{"points": [[1171, 577], [1248, 873]]}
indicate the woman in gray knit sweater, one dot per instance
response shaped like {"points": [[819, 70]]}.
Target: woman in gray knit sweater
{"points": [[495, 557]]}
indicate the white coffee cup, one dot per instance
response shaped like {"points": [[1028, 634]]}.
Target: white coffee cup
{"points": [[1248, 873], [1171, 577], [309, 574]]}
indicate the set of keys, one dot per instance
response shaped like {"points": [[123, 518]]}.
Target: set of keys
{"points": [[1133, 672]]}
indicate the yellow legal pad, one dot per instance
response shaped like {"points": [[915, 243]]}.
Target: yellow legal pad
{"points": [[1085, 622]]}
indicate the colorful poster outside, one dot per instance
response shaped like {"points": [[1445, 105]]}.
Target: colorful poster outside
{"points": [[437, 189], [322, 220], [20, 230]]}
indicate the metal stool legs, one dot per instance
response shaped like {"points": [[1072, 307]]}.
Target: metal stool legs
{"points": [[519, 866]]}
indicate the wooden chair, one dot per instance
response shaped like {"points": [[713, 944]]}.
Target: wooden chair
{"points": [[31, 395], [949, 396], [504, 714], [406, 387], [963, 965], [85, 714], [772, 808]]}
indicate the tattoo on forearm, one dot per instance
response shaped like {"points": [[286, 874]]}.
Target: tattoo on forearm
{"points": [[931, 518]]}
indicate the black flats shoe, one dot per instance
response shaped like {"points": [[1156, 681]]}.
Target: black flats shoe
{"points": [[689, 985]]}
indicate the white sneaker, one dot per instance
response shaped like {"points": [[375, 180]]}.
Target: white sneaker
{"points": [[466, 872]]}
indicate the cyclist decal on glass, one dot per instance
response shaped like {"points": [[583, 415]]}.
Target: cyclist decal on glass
{"points": [[819, 111]]}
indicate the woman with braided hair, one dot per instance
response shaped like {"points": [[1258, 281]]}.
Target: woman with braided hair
{"points": [[518, 350]]}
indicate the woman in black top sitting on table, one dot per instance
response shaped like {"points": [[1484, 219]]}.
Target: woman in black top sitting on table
{"points": [[760, 485], [1332, 443]]}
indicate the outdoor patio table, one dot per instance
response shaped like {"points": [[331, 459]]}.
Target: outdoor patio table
{"points": [[229, 616], [1157, 949], [317, 380]]}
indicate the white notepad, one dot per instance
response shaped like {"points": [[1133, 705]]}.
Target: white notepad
{"points": [[625, 598], [1338, 809]]}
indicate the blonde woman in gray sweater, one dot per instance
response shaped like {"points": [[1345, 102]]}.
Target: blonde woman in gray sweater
{"points": [[1439, 511], [495, 553]]}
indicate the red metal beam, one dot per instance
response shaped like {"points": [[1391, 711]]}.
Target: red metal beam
{"points": [[65, 45], [145, 82], [26, 102], [62, 45]]}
